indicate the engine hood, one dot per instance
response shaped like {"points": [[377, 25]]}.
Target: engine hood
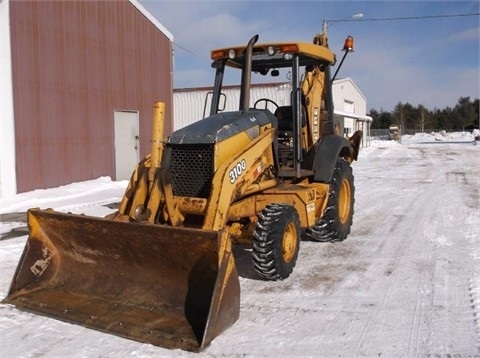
{"points": [[220, 126]]}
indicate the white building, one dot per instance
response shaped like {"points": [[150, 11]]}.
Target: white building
{"points": [[192, 104]]}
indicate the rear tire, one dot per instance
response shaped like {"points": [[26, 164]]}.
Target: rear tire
{"points": [[336, 221], [276, 241]]}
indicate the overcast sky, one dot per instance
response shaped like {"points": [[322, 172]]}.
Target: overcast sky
{"points": [[429, 61]]}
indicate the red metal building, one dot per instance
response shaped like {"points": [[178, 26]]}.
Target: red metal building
{"points": [[84, 77]]}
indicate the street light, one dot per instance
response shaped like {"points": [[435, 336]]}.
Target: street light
{"points": [[348, 18]]}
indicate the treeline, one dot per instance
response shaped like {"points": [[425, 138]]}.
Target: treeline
{"points": [[464, 116]]}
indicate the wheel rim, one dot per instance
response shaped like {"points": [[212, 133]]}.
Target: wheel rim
{"points": [[344, 200], [289, 243]]}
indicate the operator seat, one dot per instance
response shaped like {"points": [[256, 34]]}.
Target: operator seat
{"points": [[285, 121]]}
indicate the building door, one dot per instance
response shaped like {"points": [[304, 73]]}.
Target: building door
{"points": [[126, 127]]}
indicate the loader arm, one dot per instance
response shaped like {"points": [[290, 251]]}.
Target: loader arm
{"points": [[236, 176], [144, 196]]}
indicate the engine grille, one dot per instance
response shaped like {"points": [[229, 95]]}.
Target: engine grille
{"points": [[192, 169]]}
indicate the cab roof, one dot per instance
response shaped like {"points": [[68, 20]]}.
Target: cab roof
{"points": [[309, 54]]}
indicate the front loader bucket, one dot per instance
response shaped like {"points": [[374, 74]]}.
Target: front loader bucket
{"points": [[171, 287]]}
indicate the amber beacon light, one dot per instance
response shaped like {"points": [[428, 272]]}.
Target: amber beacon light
{"points": [[348, 44]]}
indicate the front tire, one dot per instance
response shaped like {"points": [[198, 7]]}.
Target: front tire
{"points": [[276, 241], [336, 221]]}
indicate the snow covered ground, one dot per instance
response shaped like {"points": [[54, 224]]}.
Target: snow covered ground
{"points": [[405, 283]]}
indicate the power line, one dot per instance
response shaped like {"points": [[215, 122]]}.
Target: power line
{"points": [[407, 18], [360, 20], [190, 52]]}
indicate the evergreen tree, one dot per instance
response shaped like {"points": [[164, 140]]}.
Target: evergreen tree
{"points": [[464, 115]]}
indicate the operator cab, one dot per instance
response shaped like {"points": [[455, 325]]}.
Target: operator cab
{"points": [[303, 121]]}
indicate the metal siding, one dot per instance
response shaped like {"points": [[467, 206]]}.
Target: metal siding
{"points": [[74, 63], [188, 107], [189, 103]]}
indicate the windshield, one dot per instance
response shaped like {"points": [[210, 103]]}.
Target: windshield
{"points": [[274, 84]]}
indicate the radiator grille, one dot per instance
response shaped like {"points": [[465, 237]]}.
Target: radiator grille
{"points": [[192, 169]]}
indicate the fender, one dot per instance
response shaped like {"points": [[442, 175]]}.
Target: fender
{"points": [[325, 155]]}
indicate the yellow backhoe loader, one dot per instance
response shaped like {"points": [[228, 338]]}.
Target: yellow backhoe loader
{"points": [[161, 269]]}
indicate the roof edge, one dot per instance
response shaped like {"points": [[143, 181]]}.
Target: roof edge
{"points": [[348, 79], [353, 115], [152, 19]]}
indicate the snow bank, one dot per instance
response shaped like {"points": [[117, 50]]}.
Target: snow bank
{"points": [[441, 136], [57, 198]]}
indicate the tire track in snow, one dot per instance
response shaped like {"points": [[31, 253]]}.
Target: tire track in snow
{"points": [[474, 292], [410, 215], [394, 248]]}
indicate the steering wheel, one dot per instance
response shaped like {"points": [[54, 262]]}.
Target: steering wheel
{"points": [[266, 100]]}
